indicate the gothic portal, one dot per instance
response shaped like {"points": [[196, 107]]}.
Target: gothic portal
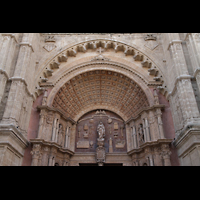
{"points": [[99, 99]]}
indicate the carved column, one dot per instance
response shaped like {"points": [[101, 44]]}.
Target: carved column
{"points": [[36, 153], [7, 50], [19, 88], [166, 154], [54, 129], [71, 137], [45, 156], [66, 160], [151, 160], [160, 124], [149, 156], [144, 129], [57, 129], [128, 137], [110, 146], [134, 138], [52, 156], [157, 157], [182, 81], [147, 129], [41, 123], [66, 137]]}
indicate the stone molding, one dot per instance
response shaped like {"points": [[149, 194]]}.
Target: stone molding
{"points": [[179, 78], [143, 110], [51, 144], [100, 66], [11, 131], [173, 42], [44, 107], [78, 45]]}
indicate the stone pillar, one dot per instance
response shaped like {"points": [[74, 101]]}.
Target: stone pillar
{"points": [[151, 160], [45, 156], [71, 137], [36, 153], [7, 50], [19, 90], [144, 129], [110, 146], [181, 82], [134, 138], [166, 157], [66, 137], [160, 124], [66, 160], [57, 129], [41, 123], [147, 129], [54, 129], [128, 137], [50, 163], [166, 154], [157, 157], [52, 156], [149, 157]]}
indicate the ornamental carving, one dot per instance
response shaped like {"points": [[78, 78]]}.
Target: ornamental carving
{"points": [[100, 87]]}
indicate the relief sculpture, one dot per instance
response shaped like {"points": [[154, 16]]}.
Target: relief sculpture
{"points": [[94, 130]]}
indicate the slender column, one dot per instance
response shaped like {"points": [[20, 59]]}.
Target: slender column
{"points": [[45, 156], [57, 129], [50, 160], [54, 129], [147, 129], [157, 157], [18, 86], [69, 136], [160, 124], [166, 157], [40, 160], [150, 160], [41, 124], [66, 137], [134, 138], [144, 129], [110, 146], [166, 154], [36, 153]]}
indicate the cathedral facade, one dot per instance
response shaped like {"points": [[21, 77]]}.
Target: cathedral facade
{"points": [[99, 99]]}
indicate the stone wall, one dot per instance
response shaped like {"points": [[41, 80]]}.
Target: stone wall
{"points": [[33, 62]]}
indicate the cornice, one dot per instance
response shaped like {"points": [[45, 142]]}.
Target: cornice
{"points": [[173, 42], [149, 144], [179, 78], [57, 111], [52, 144], [146, 109], [11, 129]]}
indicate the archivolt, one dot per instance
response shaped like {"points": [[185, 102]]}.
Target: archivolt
{"points": [[47, 69], [108, 66]]}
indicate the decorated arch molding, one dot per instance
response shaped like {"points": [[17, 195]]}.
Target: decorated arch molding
{"points": [[108, 66], [124, 74], [47, 70]]}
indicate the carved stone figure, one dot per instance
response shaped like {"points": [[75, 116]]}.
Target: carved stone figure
{"points": [[156, 100], [60, 134], [141, 134], [101, 131]]}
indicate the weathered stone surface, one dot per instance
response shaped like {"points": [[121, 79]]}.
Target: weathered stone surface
{"points": [[49, 81]]}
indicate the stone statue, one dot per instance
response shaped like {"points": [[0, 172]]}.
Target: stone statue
{"points": [[141, 134], [101, 131]]}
